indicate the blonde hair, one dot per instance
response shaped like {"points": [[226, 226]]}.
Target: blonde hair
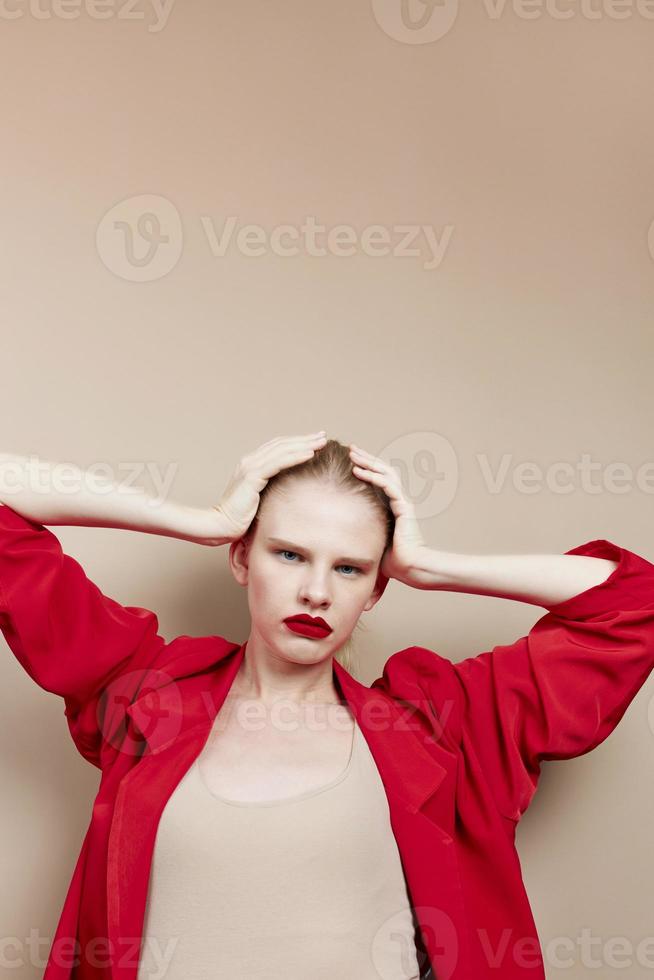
{"points": [[332, 465]]}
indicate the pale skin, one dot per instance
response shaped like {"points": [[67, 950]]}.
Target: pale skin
{"points": [[284, 701]]}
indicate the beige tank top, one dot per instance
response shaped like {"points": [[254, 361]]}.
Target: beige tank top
{"points": [[311, 885]]}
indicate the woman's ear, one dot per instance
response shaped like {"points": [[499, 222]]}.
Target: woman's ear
{"points": [[380, 585], [238, 559]]}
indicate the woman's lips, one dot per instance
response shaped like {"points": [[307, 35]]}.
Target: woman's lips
{"points": [[312, 630]]}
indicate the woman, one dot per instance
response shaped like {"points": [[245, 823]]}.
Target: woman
{"points": [[261, 812]]}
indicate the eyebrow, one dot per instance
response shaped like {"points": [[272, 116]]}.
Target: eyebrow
{"points": [[288, 545]]}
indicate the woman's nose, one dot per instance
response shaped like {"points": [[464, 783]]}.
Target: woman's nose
{"points": [[315, 592]]}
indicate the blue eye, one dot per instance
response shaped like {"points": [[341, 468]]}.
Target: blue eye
{"points": [[286, 552]]}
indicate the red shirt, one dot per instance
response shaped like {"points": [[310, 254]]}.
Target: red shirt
{"points": [[458, 746]]}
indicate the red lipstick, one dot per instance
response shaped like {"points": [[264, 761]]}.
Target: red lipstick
{"points": [[314, 627]]}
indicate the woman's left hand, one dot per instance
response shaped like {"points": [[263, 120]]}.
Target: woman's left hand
{"points": [[399, 560]]}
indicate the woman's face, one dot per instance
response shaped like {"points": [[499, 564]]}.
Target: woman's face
{"points": [[316, 550]]}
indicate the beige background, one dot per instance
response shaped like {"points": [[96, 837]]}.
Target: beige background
{"points": [[531, 139]]}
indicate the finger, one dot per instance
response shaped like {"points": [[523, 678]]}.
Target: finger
{"points": [[281, 440], [381, 479], [360, 456], [287, 444], [363, 453], [283, 459], [390, 486], [367, 459]]}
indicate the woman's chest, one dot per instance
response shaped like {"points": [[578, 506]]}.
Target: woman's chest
{"points": [[252, 759]]}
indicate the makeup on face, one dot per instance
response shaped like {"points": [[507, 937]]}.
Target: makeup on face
{"points": [[314, 627]]}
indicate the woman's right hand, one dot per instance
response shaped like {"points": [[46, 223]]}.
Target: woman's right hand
{"points": [[240, 501]]}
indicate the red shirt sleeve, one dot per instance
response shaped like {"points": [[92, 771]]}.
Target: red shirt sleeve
{"points": [[561, 690], [69, 637]]}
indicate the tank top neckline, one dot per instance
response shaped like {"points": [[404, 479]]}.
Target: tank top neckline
{"points": [[296, 797]]}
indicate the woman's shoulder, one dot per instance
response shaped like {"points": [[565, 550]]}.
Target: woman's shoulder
{"points": [[419, 679], [418, 671], [186, 653]]}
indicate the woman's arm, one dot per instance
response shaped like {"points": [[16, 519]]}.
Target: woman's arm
{"points": [[557, 692], [544, 580], [32, 487]]}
